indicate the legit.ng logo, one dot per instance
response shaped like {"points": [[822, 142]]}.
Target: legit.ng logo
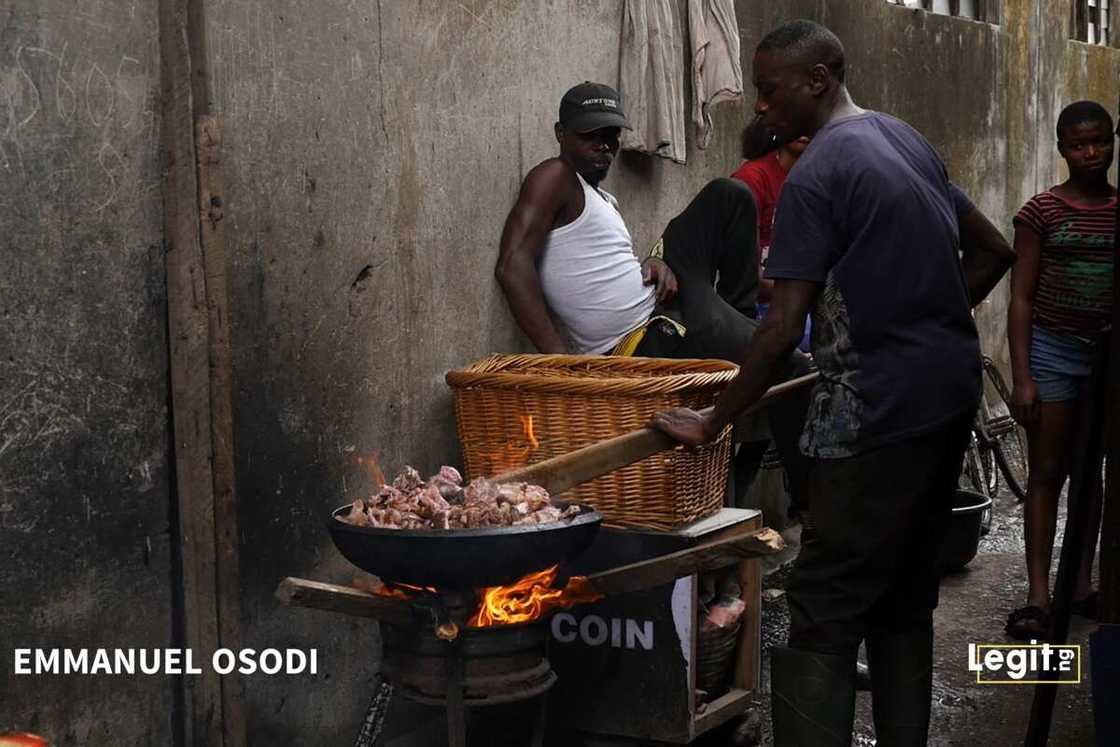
{"points": [[1025, 664]]}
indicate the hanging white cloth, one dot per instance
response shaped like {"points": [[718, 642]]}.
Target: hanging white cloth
{"points": [[652, 78], [717, 74]]}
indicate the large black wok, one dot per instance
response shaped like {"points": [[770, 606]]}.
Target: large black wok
{"points": [[463, 559], [460, 559]]}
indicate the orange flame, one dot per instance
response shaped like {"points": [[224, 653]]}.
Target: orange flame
{"points": [[522, 601], [527, 427], [529, 599], [512, 454]]}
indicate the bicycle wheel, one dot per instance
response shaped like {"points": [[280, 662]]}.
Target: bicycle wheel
{"points": [[987, 473], [988, 463], [1007, 437], [1013, 467], [970, 475], [980, 469], [979, 474]]}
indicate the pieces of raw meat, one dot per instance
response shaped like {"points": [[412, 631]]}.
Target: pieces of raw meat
{"points": [[443, 503]]}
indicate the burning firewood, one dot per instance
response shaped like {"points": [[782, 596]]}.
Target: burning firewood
{"points": [[442, 502]]}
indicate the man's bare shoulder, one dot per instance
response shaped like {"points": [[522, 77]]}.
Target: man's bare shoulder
{"points": [[550, 193], [550, 174]]}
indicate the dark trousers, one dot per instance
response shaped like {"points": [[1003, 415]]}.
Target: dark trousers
{"points": [[868, 562], [712, 248]]}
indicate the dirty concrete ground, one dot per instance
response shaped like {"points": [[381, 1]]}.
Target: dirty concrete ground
{"points": [[973, 608]]}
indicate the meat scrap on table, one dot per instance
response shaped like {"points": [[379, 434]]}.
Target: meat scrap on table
{"points": [[443, 503]]}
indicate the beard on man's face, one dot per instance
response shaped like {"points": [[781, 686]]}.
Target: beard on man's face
{"points": [[594, 173], [789, 123]]}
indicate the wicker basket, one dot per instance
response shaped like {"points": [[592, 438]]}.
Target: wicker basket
{"points": [[576, 400], [715, 655]]}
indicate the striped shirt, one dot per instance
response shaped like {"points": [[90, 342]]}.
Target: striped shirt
{"points": [[1074, 293]]}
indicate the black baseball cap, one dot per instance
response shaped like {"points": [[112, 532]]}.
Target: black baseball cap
{"points": [[592, 106]]}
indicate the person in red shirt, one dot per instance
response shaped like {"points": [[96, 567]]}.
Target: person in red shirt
{"points": [[765, 166]]}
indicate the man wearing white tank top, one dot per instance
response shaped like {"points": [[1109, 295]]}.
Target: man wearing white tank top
{"points": [[569, 273], [566, 254]]}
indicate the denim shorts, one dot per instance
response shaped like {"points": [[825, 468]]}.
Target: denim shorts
{"points": [[1060, 364]]}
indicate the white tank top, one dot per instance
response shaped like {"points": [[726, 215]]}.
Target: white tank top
{"points": [[590, 277]]}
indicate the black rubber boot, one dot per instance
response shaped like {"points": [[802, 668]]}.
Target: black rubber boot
{"points": [[901, 686], [813, 698]]}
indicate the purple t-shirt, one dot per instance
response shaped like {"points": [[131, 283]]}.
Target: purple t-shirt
{"points": [[868, 211]]}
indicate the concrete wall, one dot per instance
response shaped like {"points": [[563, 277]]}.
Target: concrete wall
{"points": [[84, 496], [373, 154], [372, 150]]}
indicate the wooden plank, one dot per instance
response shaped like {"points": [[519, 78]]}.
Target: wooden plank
{"points": [[749, 575], [720, 711], [726, 520], [747, 652], [196, 40], [568, 470], [346, 600], [211, 194], [190, 379], [706, 557]]}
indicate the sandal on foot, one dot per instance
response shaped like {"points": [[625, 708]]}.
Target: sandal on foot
{"points": [[1028, 622], [1086, 607]]}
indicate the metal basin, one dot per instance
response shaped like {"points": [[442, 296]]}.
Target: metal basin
{"points": [[962, 536]]}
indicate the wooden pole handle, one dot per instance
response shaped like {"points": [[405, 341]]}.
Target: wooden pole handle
{"points": [[564, 472], [300, 592], [710, 556]]}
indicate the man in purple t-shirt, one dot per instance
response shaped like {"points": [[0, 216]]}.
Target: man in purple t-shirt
{"points": [[872, 237]]}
